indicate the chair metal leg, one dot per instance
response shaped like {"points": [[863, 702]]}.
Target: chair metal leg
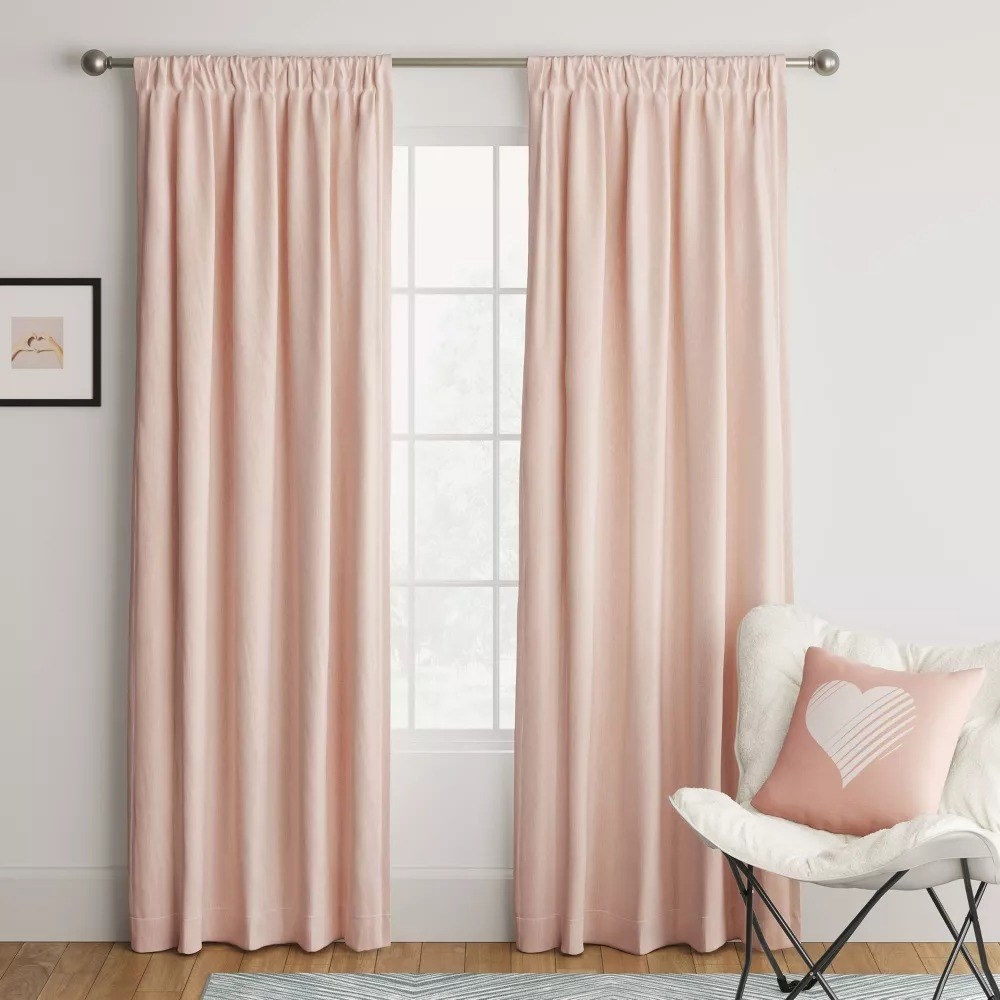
{"points": [[974, 914], [817, 968], [784, 983], [847, 933], [959, 948], [747, 938], [749, 884], [789, 933]]}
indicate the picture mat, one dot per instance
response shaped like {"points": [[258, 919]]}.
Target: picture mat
{"points": [[75, 304]]}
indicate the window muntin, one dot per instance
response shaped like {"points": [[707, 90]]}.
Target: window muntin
{"points": [[459, 262]]}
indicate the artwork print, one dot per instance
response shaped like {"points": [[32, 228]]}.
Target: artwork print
{"points": [[36, 342]]}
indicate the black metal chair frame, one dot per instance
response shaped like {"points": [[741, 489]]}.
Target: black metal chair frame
{"points": [[749, 886]]}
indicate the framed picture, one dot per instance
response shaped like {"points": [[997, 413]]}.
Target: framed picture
{"points": [[50, 329]]}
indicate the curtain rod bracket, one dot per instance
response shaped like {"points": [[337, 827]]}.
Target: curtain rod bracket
{"points": [[826, 62]]}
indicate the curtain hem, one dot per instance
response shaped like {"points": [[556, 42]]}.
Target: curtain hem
{"points": [[704, 934], [254, 931]]}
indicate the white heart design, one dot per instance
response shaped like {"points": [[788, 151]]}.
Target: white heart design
{"points": [[858, 729]]}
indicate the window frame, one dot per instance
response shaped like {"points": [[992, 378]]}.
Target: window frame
{"points": [[411, 737]]}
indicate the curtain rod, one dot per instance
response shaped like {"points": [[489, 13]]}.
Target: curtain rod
{"points": [[826, 62]]}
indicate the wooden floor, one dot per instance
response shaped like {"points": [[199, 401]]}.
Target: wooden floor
{"points": [[46, 971]]}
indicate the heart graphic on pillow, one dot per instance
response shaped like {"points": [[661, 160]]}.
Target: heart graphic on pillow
{"points": [[856, 729]]}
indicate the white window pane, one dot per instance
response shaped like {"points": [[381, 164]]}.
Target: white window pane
{"points": [[508, 654], [399, 523], [510, 457], [454, 216], [400, 215], [454, 510], [511, 372], [453, 355], [513, 216], [453, 634], [400, 364], [399, 657]]}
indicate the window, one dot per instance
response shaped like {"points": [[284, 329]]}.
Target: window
{"points": [[459, 262]]}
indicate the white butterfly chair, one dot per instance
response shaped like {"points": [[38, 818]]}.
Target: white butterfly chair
{"points": [[961, 841]]}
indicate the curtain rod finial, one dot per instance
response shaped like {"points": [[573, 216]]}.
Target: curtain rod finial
{"points": [[94, 62], [826, 62]]}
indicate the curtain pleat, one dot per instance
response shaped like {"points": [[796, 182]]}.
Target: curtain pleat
{"points": [[259, 658], [653, 503]]}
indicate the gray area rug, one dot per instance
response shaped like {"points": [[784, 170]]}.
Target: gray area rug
{"points": [[571, 986]]}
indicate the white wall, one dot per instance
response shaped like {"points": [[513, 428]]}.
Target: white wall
{"points": [[895, 207]]}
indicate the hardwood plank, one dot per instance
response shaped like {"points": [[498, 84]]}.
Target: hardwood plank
{"points": [[442, 956], [348, 960], [935, 953], [75, 972], [120, 974], [896, 956], [673, 958], [758, 960], [992, 953], [8, 949], [29, 970], [269, 959], [788, 959], [211, 958], [82, 958], [589, 960], [723, 960], [400, 956], [855, 957], [487, 956], [298, 960], [162, 995], [167, 972], [614, 960], [528, 961], [815, 949]]}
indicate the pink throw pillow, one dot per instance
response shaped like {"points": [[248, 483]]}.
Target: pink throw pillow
{"points": [[867, 748]]}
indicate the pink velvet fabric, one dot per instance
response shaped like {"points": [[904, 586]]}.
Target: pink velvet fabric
{"points": [[867, 748], [653, 483], [259, 721]]}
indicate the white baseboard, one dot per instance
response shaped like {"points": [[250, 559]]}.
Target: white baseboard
{"points": [[453, 905], [63, 904], [467, 904], [899, 916], [91, 904]]}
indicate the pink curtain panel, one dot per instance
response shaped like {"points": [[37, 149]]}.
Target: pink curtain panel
{"points": [[654, 507], [259, 722]]}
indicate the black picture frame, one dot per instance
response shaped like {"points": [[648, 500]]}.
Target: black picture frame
{"points": [[95, 287]]}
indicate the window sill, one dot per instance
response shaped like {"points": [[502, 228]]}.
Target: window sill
{"points": [[452, 741]]}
